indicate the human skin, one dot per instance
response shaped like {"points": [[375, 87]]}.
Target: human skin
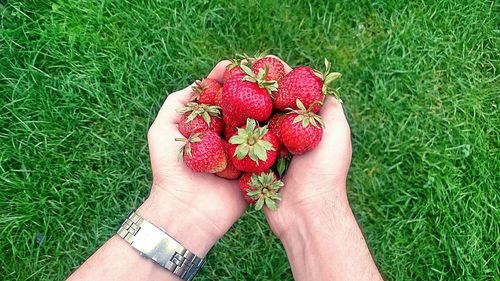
{"points": [[196, 209], [314, 221]]}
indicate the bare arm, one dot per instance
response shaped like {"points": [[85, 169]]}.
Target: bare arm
{"points": [[314, 221], [195, 209], [328, 245], [117, 260]]}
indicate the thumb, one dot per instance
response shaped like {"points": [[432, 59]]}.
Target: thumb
{"points": [[332, 111], [333, 115], [337, 134]]}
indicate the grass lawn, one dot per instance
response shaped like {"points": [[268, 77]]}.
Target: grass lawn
{"points": [[81, 81]]}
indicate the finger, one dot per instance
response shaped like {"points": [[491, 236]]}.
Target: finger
{"points": [[168, 114], [287, 67], [163, 131], [218, 72], [332, 111], [336, 127]]}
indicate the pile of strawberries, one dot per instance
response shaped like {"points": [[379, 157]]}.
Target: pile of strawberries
{"points": [[251, 125]]}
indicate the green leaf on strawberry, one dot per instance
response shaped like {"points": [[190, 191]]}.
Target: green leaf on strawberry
{"points": [[250, 143], [264, 190], [260, 79], [328, 78], [306, 116], [200, 109]]}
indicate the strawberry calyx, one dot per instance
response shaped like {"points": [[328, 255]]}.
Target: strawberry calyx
{"points": [[250, 142], [200, 109], [198, 88], [306, 116], [328, 78], [265, 190], [196, 137], [260, 79], [252, 59], [235, 62], [245, 58]]}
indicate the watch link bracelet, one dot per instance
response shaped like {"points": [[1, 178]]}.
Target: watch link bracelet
{"points": [[152, 242]]}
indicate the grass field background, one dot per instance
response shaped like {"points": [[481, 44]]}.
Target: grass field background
{"points": [[81, 81]]}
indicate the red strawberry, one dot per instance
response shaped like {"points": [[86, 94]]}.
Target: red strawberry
{"points": [[198, 117], [232, 69], [301, 130], [247, 96], [245, 187], [218, 98], [230, 172], [204, 152], [305, 84], [253, 149], [275, 124], [260, 189], [206, 91], [276, 68]]}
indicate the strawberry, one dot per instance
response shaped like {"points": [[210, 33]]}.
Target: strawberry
{"points": [[247, 96], [206, 91], [275, 124], [260, 189], [198, 117], [302, 129], [218, 97], [230, 172], [232, 69], [245, 187], [276, 69], [305, 84], [253, 149], [204, 152]]}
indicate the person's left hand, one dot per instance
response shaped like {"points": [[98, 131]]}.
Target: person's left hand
{"points": [[194, 208]]}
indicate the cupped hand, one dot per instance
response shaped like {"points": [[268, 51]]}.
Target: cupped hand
{"points": [[318, 176], [210, 204]]}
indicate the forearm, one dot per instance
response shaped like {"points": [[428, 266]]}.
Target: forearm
{"points": [[118, 260], [327, 244]]}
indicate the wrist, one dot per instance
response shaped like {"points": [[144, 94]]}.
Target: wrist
{"points": [[316, 212], [180, 222]]}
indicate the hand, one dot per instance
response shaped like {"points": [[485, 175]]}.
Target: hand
{"points": [[317, 177], [195, 208]]}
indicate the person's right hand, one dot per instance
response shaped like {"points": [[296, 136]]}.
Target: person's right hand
{"points": [[314, 220], [318, 177]]}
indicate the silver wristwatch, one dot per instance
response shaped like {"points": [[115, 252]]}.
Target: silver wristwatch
{"points": [[152, 242]]}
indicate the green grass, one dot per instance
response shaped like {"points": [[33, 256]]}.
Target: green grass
{"points": [[81, 81]]}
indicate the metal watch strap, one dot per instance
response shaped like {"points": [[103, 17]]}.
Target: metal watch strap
{"points": [[153, 242]]}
